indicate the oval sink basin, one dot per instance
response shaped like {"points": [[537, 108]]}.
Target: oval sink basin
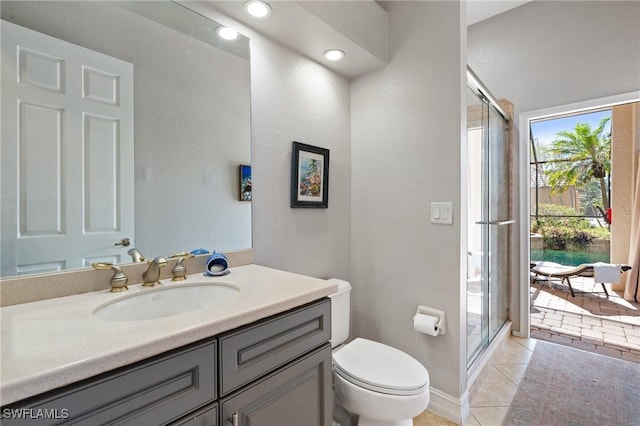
{"points": [[166, 301]]}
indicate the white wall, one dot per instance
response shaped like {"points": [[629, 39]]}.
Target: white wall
{"points": [[295, 99], [407, 121], [550, 53]]}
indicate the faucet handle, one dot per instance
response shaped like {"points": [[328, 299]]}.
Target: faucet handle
{"points": [[179, 272], [183, 255], [118, 280]]}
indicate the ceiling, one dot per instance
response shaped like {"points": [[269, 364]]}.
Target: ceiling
{"points": [[479, 10], [359, 28], [304, 27]]}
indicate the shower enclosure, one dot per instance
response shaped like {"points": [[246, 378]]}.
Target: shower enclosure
{"points": [[488, 250]]}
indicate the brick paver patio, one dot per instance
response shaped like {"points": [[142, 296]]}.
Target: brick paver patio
{"points": [[589, 321]]}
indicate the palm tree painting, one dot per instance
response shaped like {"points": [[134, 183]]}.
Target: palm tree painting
{"points": [[587, 155], [245, 183], [310, 177]]}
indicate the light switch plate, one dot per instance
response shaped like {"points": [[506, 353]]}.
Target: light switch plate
{"points": [[442, 213]]}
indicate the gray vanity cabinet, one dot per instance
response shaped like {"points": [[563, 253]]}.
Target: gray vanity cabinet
{"points": [[153, 392], [274, 372], [296, 395], [207, 416], [277, 372], [252, 351]]}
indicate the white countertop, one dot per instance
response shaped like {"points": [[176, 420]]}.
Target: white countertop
{"points": [[55, 342]]}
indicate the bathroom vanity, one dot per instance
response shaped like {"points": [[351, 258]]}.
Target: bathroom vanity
{"points": [[247, 361]]}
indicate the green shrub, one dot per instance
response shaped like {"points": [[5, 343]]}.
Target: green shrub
{"points": [[597, 232], [581, 239], [556, 210], [554, 238], [565, 233]]}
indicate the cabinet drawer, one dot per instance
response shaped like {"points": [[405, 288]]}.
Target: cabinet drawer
{"points": [[207, 416], [298, 394], [257, 349], [152, 392]]}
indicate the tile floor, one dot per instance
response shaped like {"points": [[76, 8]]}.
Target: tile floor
{"points": [[589, 321], [492, 392], [429, 419]]}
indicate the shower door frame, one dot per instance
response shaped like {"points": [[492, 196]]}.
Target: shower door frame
{"points": [[494, 231]]}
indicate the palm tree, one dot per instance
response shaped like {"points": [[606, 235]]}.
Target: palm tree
{"points": [[588, 152]]}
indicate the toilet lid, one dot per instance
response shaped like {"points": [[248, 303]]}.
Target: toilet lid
{"points": [[380, 368]]}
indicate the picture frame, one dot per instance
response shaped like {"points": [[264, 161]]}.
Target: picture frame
{"points": [[244, 187], [309, 176]]}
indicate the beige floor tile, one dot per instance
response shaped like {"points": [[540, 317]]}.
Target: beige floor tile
{"points": [[489, 416], [527, 343], [511, 352], [427, 418], [496, 390], [514, 372], [471, 421]]}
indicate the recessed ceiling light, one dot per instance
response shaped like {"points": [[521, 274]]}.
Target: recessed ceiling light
{"points": [[257, 9], [227, 33], [334, 54]]}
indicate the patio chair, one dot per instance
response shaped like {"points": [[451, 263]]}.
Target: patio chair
{"points": [[563, 272]]}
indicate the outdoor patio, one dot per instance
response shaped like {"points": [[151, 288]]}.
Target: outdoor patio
{"points": [[589, 321]]}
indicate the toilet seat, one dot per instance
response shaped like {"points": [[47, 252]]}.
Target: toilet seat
{"points": [[380, 368]]}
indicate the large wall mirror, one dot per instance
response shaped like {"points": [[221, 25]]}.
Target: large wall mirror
{"points": [[121, 121]]}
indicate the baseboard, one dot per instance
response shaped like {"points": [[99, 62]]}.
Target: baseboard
{"points": [[449, 407]]}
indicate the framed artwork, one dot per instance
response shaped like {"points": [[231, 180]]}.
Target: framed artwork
{"points": [[309, 176], [245, 182]]}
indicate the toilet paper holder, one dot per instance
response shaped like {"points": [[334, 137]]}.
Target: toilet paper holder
{"points": [[438, 313]]}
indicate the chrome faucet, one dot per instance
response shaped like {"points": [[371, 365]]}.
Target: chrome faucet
{"points": [[136, 256], [151, 276]]}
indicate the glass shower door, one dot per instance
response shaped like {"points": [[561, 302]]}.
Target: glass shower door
{"points": [[488, 254], [477, 238], [499, 221]]}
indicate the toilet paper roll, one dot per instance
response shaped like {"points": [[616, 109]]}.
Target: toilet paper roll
{"points": [[426, 324]]}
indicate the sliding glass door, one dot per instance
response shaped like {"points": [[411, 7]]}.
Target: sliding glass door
{"points": [[488, 253]]}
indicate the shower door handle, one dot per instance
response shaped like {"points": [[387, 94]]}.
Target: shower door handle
{"points": [[502, 222], [496, 222]]}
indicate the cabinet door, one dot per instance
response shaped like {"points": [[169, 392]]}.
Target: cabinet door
{"points": [[296, 395]]}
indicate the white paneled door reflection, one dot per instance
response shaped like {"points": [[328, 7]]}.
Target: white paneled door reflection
{"points": [[67, 154]]}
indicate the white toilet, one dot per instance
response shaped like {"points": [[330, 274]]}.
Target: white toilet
{"points": [[382, 385]]}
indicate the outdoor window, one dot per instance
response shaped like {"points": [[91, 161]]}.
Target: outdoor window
{"points": [[570, 188]]}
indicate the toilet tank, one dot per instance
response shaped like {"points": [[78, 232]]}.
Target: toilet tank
{"points": [[340, 312]]}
